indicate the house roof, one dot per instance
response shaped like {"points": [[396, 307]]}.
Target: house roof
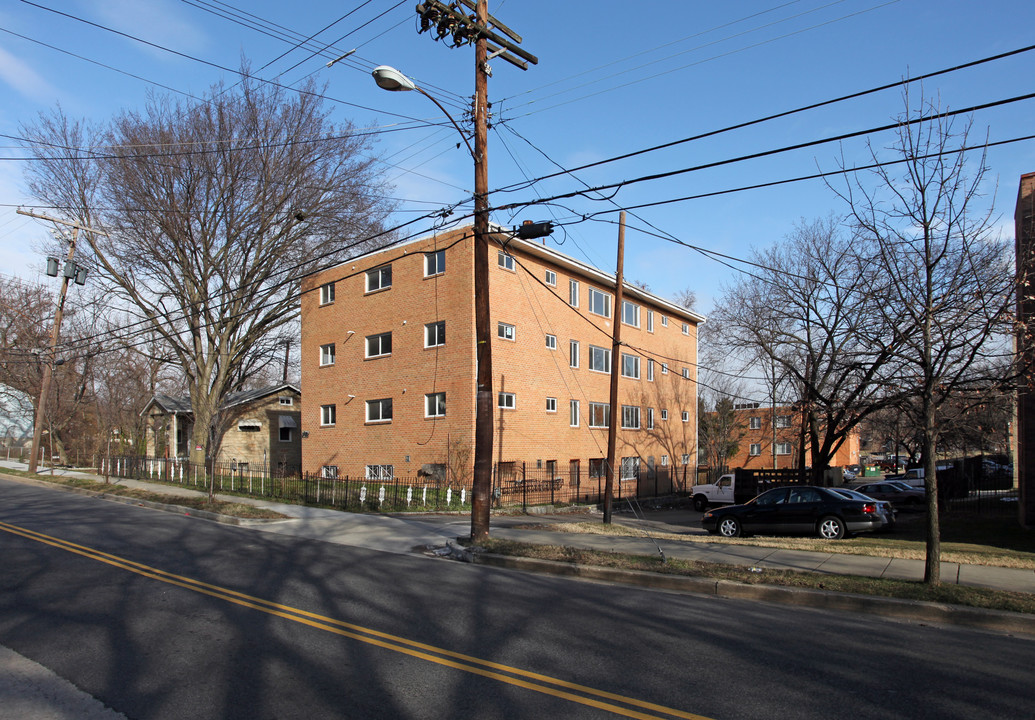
{"points": [[181, 405]]}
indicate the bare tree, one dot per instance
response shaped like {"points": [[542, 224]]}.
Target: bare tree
{"points": [[686, 297], [720, 431], [944, 283], [215, 210]]}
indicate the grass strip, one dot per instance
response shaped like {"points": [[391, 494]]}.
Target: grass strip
{"points": [[880, 587]]}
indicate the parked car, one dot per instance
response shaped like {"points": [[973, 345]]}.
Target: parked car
{"points": [[800, 510], [893, 491], [884, 508]]}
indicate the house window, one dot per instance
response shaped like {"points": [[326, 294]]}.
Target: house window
{"points": [[755, 423], [285, 434], [630, 468], [551, 405], [664, 415], [686, 416], [599, 359], [650, 418], [664, 368], [650, 321], [435, 405], [783, 421], [573, 293], [249, 426], [286, 401], [630, 313], [551, 342], [573, 408], [686, 373], [599, 415], [435, 334], [573, 353], [506, 261], [379, 278], [664, 460], [434, 263], [650, 370], [631, 366], [686, 458], [329, 471], [327, 415], [505, 331], [380, 472], [507, 401], [327, 294], [755, 449], [783, 448], [631, 417], [599, 303], [551, 278], [597, 467], [664, 321], [379, 411], [327, 354], [379, 345], [686, 329]]}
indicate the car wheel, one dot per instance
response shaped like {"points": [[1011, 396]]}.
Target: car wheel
{"points": [[729, 527], [700, 503], [831, 528]]}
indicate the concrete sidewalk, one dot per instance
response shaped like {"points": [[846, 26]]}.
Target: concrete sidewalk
{"points": [[404, 534]]}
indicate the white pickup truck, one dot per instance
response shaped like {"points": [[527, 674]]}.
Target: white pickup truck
{"points": [[718, 493]]}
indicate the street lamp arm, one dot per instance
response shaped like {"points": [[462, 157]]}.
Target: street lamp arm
{"points": [[446, 112]]}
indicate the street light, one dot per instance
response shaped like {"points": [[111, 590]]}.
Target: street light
{"points": [[391, 79]]}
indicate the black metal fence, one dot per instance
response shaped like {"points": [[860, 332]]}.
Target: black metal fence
{"points": [[513, 484]]}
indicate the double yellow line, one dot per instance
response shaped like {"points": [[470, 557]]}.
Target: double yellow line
{"points": [[601, 699]]}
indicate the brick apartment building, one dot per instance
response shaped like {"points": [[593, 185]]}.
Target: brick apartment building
{"points": [[1024, 462], [772, 438], [388, 364]]}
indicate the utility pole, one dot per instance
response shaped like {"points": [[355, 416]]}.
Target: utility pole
{"points": [[616, 363], [70, 272], [448, 23]]}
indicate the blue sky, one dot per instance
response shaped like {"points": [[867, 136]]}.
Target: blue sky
{"points": [[612, 78]]}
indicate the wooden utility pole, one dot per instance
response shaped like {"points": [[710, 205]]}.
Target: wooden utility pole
{"points": [[616, 368], [448, 23], [55, 333]]}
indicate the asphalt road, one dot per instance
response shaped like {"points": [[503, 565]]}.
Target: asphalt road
{"points": [[165, 616]]}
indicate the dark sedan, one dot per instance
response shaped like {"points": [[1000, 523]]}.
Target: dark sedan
{"points": [[908, 498], [800, 510]]}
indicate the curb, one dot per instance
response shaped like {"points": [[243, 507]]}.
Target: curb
{"points": [[915, 610]]}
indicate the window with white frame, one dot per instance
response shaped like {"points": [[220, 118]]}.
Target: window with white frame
{"points": [[686, 329], [686, 416], [650, 321], [664, 321], [327, 354], [507, 401], [380, 472], [573, 409], [379, 278], [664, 368], [329, 471], [573, 353], [551, 278], [755, 423], [551, 405], [650, 370], [783, 448], [755, 449], [599, 359], [664, 460], [434, 263], [506, 261], [379, 345], [630, 313], [435, 334], [686, 458], [650, 418], [379, 410], [286, 401], [664, 415], [631, 366], [599, 415], [783, 421], [631, 417], [686, 373], [630, 469], [573, 293], [327, 293], [327, 415], [285, 434], [506, 331], [435, 405], [551, 342], [599, 303]]}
